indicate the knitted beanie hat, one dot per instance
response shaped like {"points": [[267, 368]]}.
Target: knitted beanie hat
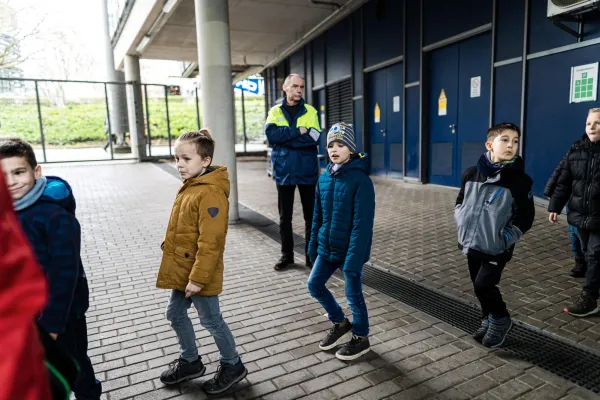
{"points": [[343, 133]]}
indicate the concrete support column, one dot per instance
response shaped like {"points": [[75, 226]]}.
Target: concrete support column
{"points": [[216, 98], [135, 106], [116, 92]]}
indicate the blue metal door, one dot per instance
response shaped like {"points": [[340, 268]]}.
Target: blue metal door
{"points": [[459, 101], [385, 121], [319, 98]]}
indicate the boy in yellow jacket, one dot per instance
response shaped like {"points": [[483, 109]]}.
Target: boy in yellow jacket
{"points": [[192, 263]]}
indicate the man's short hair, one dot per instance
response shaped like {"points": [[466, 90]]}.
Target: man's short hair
{"points": [[202, 139], [289, 78], [14, 147], [496, 130]]}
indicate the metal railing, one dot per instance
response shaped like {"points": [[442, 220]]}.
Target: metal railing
{"points": [[75, 120]]}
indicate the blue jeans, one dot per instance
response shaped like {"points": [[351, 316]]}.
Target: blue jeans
{"points": [[210, 319], [577, 244], [321, 272]]}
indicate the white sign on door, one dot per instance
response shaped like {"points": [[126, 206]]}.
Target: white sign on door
{"points": [[476, 86], [396, 104]]}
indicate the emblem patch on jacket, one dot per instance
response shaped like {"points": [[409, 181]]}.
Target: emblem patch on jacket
{"points": [[213, 211]]}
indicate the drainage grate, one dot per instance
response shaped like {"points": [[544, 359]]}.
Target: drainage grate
{"points": [[572, 362], [552, 353]]}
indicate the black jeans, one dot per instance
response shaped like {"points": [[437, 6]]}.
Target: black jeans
{"points": [[74, 341], [485, 276], [285, 195], [591, 240]]}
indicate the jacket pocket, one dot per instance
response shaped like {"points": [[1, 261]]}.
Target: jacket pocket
{"points": [[184, 256]]}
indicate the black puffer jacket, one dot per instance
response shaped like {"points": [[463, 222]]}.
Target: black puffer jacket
{"points": [[551, 184], [579, 185]]}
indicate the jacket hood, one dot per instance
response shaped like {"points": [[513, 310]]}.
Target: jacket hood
{"points": [[215, 175], [487, 168], [359, 161], [59, 192]]}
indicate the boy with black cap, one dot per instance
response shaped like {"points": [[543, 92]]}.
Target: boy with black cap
{"points": [[341, 237]]}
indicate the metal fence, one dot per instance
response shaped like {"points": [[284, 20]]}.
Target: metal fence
{"points": [[68, 121]]}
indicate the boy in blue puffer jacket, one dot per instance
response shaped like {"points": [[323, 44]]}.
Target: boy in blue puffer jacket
{"points": [[341, 237], [46, 209]]}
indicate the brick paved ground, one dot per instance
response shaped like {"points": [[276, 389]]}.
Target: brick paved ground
{"points": [[415, 237], [124, 210]]}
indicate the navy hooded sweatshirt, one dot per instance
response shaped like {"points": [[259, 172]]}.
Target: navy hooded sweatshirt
{"points": [[47, 215]]}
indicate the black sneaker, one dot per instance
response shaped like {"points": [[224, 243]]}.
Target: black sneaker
{"points": [[335, 335], [181, 370], [282, 263], [580, 268], [227, 375], [583, 305], [308, 263], [355, 348], [497, 331], [482, 330]]}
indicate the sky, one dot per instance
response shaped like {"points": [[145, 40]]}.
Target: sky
{"points": [[69, 40]]}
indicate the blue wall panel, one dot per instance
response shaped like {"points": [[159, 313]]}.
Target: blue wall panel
{"points": [[358, 124], [318, 57], [339, 51], [413, 41], [543, 35], [358, 76], [507, 94], [412, 132], [552, 123], [383, 30], [297, 63], [443, 19], [510, 24]]}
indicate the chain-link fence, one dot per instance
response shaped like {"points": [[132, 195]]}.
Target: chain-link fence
{"points": [[88, 120]]}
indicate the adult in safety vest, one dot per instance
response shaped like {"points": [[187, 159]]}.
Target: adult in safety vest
{"points": [[293, 132]]}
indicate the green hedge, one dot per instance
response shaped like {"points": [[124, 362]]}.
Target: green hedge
{"points": [[84, 123]]}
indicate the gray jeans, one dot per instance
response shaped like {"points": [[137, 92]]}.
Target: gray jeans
{"points": [[210, 319]]}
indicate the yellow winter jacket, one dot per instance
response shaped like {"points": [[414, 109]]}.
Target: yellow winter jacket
{"points": [[195, 240]]}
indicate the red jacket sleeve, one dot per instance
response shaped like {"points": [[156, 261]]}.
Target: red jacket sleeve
{"points": [[23, 292]]}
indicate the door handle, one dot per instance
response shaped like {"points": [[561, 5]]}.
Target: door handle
{"points": [[453, 128], [383, 131]]}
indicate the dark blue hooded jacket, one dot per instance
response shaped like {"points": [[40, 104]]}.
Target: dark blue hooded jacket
{"points": [[55, 236], [342, 229]]}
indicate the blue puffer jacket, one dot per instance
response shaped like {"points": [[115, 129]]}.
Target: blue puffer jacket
{"points": [[55, 236], [342, 230]]}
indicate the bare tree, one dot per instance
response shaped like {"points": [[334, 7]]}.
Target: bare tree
{"points": [[13, 37]]}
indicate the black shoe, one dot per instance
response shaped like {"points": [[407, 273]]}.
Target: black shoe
{"points": [[227, 375], [335, 335], [482, 330], [355, 348], [580, 268], [583, 305], [308, 263], [497, 331], [181, 370], [282, 263]]}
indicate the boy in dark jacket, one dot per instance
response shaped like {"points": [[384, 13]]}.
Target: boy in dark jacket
{"points": [[577, 246], [494, 208], [341, 237], [579, 185], [46, 209]]}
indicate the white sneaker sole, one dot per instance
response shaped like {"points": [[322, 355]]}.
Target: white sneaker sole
{"points": [[337, 342], [583, 315], [187, 378], [354, 357]]}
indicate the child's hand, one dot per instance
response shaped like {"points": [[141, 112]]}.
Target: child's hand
{"points": [[553, 218], [192, 289]]}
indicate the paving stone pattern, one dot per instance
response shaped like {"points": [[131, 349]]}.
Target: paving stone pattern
{"points": [[415, 237], [124, 209]]}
